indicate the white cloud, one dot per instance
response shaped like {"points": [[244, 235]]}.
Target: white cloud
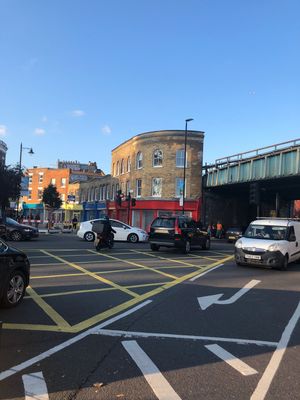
{"points": [[77, 113], [3, 130], [39, 132], [106, 130]]}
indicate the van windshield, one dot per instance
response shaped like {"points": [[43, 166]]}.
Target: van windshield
{"points": [[268, 232]]}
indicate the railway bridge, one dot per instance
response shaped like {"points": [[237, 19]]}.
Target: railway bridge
{"points": [[260, 182]]}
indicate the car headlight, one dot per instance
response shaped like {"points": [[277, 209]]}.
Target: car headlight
{"points": [[27, 230], [273, 247], [239, 244]]}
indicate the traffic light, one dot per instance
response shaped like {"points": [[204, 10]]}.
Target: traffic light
{"points": [[254, 193], [119, 198], [133, 202]]}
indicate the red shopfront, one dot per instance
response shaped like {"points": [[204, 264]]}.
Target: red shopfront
{"points": [[143, 213]]}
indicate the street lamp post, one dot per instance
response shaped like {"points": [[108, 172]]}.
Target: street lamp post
{"points": [[20, 168], [184, 163]]}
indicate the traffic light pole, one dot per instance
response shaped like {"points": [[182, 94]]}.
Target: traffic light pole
{"points": [[128, 208]]}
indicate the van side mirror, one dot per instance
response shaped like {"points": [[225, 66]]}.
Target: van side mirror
{"points": [[292, 238]]}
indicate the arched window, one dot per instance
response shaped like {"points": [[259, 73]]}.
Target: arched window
{"points": [[157, 158], [128, 164], [139, 160], [118, 168], [113, 170], [122, 166]]}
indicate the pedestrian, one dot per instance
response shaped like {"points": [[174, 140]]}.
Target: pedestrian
{"points": [[107, 231], [74, 223], [30, 218], [219, 230], [37, 220]]}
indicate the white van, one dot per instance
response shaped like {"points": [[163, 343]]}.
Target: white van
{"points": [[270, 242]]}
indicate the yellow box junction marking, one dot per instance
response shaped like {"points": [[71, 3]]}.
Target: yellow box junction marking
{"points": [[135, 264], [61, 323], [93, 275], [165, 258]]}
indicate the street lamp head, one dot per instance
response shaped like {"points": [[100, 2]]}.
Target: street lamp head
{"points": [[189, 119], [31, 151]]}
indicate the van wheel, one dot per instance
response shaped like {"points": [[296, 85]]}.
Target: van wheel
{"points": [[284, 264], [154, 247], [187, 247], [206, 245]]}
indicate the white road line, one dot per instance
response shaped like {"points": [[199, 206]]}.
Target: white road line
{"points": [[35, 387], [266, 380], [112, 332], [67, 343], [230, 359], [158, 383], [206, 272]]}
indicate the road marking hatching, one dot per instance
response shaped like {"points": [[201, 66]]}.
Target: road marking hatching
{"points": [[93, 275], [231, 360], [58, 319], [135, 264], [158, 383], [35, 386]]}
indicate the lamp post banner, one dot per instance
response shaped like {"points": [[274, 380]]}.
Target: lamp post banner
{"points": [[24, 186]]}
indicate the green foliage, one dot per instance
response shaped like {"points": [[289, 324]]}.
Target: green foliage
{"points": [[51, 197], [10, 184]]}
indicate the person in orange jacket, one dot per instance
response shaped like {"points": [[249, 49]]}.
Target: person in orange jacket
{"points": [[219, 230]]}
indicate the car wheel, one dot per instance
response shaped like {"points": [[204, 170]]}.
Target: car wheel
{"points": [[89, 236], [16, 236], [284, 264], [206, 245], [154, 247], [14, 290], [187, 247], [133, 238]]}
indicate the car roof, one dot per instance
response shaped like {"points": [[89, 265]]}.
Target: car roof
{"points": [[272, 222]]}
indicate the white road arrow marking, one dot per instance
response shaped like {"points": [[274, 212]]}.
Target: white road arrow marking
{"points": [[231, 360], [207, 301], [158, 383], [35, 387]]}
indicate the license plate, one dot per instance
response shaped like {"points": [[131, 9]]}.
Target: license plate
{"points": [[252, 257], [231, 237], [161, 231]]}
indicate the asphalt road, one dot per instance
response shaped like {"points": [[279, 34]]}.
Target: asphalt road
{"points": [[130, 323]]}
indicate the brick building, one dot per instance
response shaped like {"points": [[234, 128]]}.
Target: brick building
{"points": [[66, 178], [150, 166], [3, 150]]}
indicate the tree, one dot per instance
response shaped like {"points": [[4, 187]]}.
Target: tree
{"points": [[10, 186], [51, 199]]}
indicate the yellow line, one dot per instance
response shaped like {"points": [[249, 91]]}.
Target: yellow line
{"points": [[165, 258], [95, 290], [93, 275], [33, 327], [58, 319], [202, 257], [115, 310], [134, 263]]}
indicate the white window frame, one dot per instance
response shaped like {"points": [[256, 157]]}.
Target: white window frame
{"points": [[182, 158], [138, 187], [157, 158], [139, 160], [153, 194]]}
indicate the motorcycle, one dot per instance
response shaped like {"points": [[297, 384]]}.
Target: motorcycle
{"points": [[102, 243]]}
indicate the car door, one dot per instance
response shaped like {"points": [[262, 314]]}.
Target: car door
{"points": [[121, 230], [293, 245]]}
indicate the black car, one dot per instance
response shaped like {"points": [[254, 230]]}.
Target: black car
{"points": [[14, 275], [233, 234], [179, 231], [17, 232]]}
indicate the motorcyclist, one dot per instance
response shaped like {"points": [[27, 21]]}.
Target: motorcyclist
{"points": [[107, 234]]}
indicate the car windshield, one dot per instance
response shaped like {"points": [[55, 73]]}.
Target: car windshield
{"points": [[11, 221], [163, 223], [234, 230], [269, 232]]}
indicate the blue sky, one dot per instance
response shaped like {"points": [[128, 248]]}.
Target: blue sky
{"points": [[78, 77]]}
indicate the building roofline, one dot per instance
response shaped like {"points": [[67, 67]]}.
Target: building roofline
{"points": [[160, 131]]}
